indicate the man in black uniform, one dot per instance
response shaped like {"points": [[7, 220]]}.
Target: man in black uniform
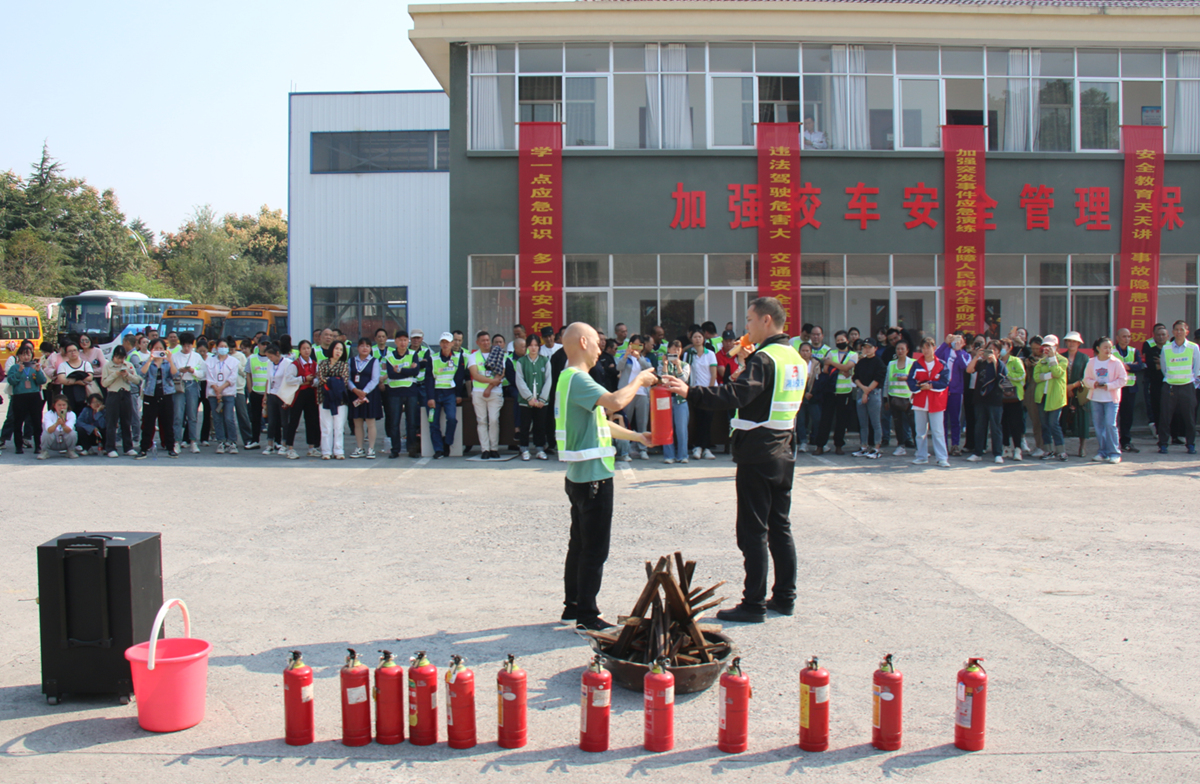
{"points": [[763, 450]]}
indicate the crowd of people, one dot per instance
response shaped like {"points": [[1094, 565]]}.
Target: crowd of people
{"points": [[1035, 397]]}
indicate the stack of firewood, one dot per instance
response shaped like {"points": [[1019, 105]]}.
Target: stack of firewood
{"points": [[663, 622]]}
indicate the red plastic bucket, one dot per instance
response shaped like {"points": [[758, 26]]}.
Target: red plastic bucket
{"points": [[170, 676]]}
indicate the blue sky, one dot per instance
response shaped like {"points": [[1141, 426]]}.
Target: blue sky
{"points": [[175, 105]]}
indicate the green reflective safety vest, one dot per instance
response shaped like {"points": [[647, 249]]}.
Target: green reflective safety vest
{"points": [[603, 451], [319, 353], [845, 384], [1128, 356], [375, 352], [421, 355], [405, 361], [791, 376], [822, 351], [444, 370], [479, 358], [508, 356], [259, 368], [897, 378], [1177, 363], [621, 349]]}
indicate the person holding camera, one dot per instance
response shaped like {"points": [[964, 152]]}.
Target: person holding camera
{"points": [[119, 378], [25, 404], [58, 430], [158, 400], [989, 401]]}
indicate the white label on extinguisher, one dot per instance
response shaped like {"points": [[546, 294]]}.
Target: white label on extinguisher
{"points": [[962, 716], [356, 694], [663, 403], [669, 695], [821, 694], [306, 693], [601, 698], [433, 700], [722, 713], [583, 711]]}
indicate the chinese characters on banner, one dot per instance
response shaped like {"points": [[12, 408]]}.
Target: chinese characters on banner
{"points": [[778, 237], [966, 215], [539, 200], [1141, 205]]}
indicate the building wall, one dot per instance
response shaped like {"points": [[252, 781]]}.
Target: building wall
{"points": [[377, 229]]}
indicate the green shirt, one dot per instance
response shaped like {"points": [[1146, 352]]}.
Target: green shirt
{"points": [[581, 429]]}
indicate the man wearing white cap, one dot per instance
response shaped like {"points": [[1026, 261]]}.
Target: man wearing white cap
{"points": [[446, 371], [1050, 393]]}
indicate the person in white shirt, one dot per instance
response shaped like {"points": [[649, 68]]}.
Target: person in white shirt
{"points": [[74, 374], [637, 413], [487, 397], [813, 139], [1104, 378], [242, 356], [222, 373], [58, 430], [548, 344], [282, 384], [188, 374], [704, 374]]}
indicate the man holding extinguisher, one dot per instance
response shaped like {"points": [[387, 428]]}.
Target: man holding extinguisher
{"points": [[767, 396], [584, 438]]}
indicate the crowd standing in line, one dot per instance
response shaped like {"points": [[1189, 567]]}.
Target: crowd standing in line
{"points": [[1032, 397]]}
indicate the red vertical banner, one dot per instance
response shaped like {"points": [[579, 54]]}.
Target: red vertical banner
{"points": [[1137, 295], [778, 236], [966, 205], [539, 199]]}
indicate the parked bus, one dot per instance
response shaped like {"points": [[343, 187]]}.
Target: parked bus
{"points": [[201, 320], [17, 323], [246, 322], [102, 315]]}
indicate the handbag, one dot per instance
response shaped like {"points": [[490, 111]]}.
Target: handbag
{"points": [[1007, 388]]}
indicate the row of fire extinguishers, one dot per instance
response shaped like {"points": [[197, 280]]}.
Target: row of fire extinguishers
{"points": [[595, 703]]}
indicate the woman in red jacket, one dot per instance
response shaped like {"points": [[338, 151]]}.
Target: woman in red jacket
{"points": [[929, 380]]}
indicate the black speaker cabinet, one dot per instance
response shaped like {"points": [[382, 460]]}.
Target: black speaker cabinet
{"points": [[98, 595]]}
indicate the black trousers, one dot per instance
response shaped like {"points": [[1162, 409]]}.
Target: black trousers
{"points": [[206, 425], [1154, 398], [254, 406], [701, 428], [1178, 403], [304, 405], [118, 413], [277, 416], [764, 501], [1125, 415], [158, 410], [534, 419], [26, 409], [1012, 423], [587, 550], [969, 422]]}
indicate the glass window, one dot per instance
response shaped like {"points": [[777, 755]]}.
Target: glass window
{"points": [[492, 124], [823, 308], [920, 113], [818, 103], [1091, 270], [736, 269], [540, 98], [587, 57], [586, 271], [541, 58], [680, 309], [777, 58], [683, 103], [913, 271], [1098, 62], [733, 111], [1047, 270], [681, 270], [361, 152], [1053, 109], [686, 57], [492, 309], [360, 311], [1099, 115], [1177, 270], [1183, 112], [1007, 62], [820, 270], [635, 57], [1051, 309], [1053, 62], [730, 58], [879, 59], [1090, 314], [964, 102], [962, 61], [867, 271], [823, 59], [1145, 63], [1143, 103], [635, 270], [882, 135], [1008, 114], [493, 58], [1176, 303], [637, 112], [493, 271], [586, 112], [917, 59], [868, 310], [636, 308], [590, 307], [1002, 270], [1004, 309], [779, 99], [1184, 64]]}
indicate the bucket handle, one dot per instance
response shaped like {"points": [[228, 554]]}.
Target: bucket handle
{"points": [[158, 621]]}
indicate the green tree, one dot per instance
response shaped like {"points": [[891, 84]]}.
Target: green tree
{"points": [[262, 238], [151, 286], [32, 265], [202, 261]]}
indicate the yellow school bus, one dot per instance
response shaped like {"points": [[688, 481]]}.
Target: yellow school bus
{"points": [[248, 321], [201, 320], [17, 323]]}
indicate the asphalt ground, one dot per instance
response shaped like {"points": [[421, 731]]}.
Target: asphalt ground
{"points": [[1077, 582]]}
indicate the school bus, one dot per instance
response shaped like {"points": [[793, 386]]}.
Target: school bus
{"points": [[17, 323], [201, 320], [246, 322]]}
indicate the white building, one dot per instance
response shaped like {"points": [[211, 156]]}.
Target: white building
{"points": [[368, 212]]}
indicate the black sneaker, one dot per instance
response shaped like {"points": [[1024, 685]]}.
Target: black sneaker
{"points": [[438, 455], [782, 609], [741, 614], [485, 455], [1131, 449], [569, 613], [595, 625], [393, 454], [142, 455]]}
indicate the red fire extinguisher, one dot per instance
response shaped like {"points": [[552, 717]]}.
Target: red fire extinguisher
{"points": [[659, 691], [662, 426], [814, 707], [594, 706], [460, 704], [356, 704], [510, 688], [887, 717], [298, 702], [422, 701], [389, 701], [970, 718], [733, 736]]}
